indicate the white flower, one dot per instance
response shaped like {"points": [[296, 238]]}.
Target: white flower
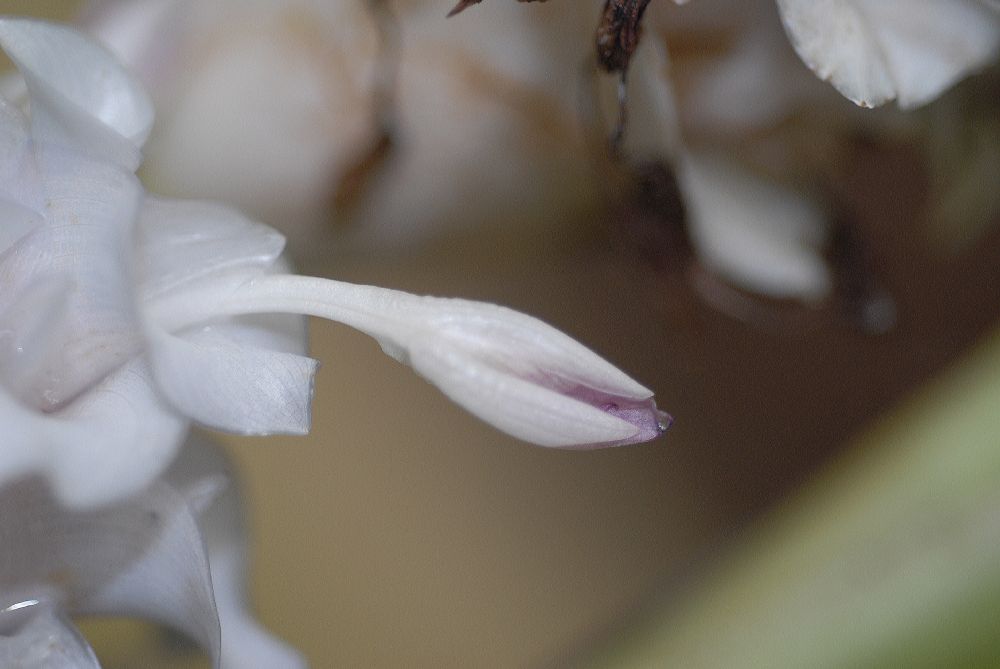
{"points": [[874, 51], [269, 105], [124, 317], [752, 232], [757, 234], [173, 554]]}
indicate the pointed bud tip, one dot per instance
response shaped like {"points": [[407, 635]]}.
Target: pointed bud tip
{"points": [[664, 421], [649, 421]]}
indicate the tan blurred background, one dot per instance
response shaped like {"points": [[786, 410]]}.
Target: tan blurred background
{"points": [[403, 533]]}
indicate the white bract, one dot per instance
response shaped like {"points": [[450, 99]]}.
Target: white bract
{"points": [[123, 317]]}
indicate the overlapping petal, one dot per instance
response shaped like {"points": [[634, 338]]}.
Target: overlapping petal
{"points": [[143, 557], [80, 96], [221, 374], [164, 555], [244, 642], [107, 444]]}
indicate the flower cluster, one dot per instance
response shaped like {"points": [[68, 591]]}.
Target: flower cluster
{"points": [[125, 318]]}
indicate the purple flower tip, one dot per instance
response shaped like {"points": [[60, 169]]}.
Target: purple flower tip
{"points": [[650, 421]]}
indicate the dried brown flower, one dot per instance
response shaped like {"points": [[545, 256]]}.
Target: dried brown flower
{"points": [[619, 32]]}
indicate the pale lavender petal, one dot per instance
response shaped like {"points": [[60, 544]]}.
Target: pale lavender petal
{"points": [[21, 199], [32, 318], [18, 222], [86, 239], [115, 439], [649, 421]]}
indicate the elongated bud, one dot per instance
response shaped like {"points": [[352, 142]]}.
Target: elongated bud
{"points": [[528, 379], [511, 370]]}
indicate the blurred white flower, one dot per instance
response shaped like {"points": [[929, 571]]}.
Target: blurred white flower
{"points": [[874, 51], [172, 554], [271, 106], [124, 317], [745, 228], [757, 234]]}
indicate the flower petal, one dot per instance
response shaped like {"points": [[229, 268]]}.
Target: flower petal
{"points": [[874, 51], [146, 556], [21, 199], [184, 241], [90, 209], [44, 641], [168, 578], [761, 236], [208, 376], [525, 410], [81, 96], [142, 557], [108, 444], [245, 643]]}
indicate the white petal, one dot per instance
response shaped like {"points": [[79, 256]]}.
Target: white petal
{"points": [[874, 51], [244, 642], [129, 437], [44, 641], [143, 557], [81, 96], [90, 209], [106, 445], [210, 377], [33, 317], [763, 237], [21, 199], [168, 578], [183, 241]]}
